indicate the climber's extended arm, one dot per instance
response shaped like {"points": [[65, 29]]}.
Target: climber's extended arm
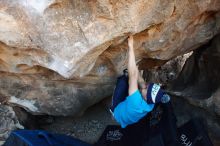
{"points": [[132, 68]]}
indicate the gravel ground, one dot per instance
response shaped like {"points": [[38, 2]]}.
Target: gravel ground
{"points": [[88, 128]]}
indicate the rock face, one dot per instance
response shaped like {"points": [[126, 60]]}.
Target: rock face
{"points": [[60, 57], [70, 37], [199, 85], [54, 97], [199, 81], [8, 121], [166, 73]]}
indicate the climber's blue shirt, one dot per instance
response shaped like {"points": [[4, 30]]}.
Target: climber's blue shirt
{"points": [[132, 109]]}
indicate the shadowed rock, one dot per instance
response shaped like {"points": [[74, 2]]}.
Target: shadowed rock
{"points": [[8, 120]]}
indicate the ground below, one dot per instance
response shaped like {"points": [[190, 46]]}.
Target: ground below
{"points": [[90, 126]]}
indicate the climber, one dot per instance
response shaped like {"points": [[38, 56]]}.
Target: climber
{"points": [[141, 96]]}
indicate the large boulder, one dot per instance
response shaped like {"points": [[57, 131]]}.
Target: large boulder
{"points": [[70, 37], [60, 57]]}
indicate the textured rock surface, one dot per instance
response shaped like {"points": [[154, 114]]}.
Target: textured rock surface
{"points": [[45, 42], [8, 120], [70, 37], [55, 97], [166, 73], [199, 81]]}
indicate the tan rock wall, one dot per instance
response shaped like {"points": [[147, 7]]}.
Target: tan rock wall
{"points": [[69, 36]]}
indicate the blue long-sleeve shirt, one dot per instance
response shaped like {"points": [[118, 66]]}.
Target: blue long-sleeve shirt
{"points": [[132, 109]]}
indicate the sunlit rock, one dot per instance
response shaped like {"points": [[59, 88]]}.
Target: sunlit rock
{"points": [[70, 36]]}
